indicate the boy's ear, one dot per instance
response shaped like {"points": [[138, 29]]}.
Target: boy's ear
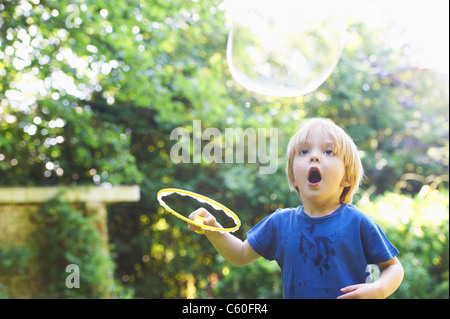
{"points": [[345, 182]]}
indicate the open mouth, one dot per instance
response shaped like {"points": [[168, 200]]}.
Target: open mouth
{"points": [[314, 176]]}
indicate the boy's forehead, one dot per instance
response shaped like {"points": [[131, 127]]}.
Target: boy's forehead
{"points": [[318, 135]]}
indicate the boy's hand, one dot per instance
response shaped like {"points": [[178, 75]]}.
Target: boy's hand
{"points": [[210, 220], [362, 291], [390, 279]]}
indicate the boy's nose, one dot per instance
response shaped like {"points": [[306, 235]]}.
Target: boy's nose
{"points": [[314, 159]]}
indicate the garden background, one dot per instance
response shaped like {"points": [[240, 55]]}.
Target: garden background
{"points": [[91, 90]]}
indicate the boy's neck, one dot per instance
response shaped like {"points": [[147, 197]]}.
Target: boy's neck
{"points": [[317, 210]]}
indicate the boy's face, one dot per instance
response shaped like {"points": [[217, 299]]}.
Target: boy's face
{"points": [[318, 172]]}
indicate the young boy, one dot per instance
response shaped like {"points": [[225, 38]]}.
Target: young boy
{"points": [[324, 246]]}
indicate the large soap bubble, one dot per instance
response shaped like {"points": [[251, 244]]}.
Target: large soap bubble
{"points": [[284, 48]]}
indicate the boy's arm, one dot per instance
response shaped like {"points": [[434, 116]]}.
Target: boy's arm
{"points": [[231, 248], [390, 279]]}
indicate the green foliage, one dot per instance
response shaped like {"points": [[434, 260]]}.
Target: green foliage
{"points": [[3, 292], [49, 134], [419, 228], [13, 262], [14, 259], [64, 236], [261, 279]]}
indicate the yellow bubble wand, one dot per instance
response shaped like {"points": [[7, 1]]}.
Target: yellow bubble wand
{"points": [[198, 221]]}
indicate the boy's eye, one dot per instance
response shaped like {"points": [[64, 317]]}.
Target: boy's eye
{"points": [[303, 151], [329, 152]]}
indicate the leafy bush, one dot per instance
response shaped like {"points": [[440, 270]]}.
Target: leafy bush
{"points": [[261, 279], [418, 227], [13, 262], [65, 236]]}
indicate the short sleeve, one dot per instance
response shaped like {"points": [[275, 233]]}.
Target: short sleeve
{"points": [[263, 237], [377, 248]]}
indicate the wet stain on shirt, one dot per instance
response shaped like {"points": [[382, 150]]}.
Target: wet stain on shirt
{"points": [[318, 248], [322, 260]]}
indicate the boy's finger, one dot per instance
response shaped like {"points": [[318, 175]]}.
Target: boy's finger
{"points": [[349, 288], [209, 221], [349, 292], [193, 227], [199, 220], [350, 295], [200, 212]]}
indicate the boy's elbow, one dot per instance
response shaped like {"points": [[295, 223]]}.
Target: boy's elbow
{"points": [[399, 267], [238, 263], [242, 255]]}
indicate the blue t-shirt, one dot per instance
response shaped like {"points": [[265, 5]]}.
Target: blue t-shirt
{"points": [[319, 256]]}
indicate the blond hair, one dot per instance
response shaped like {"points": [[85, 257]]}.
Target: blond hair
{"points": [[345, 148]]}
